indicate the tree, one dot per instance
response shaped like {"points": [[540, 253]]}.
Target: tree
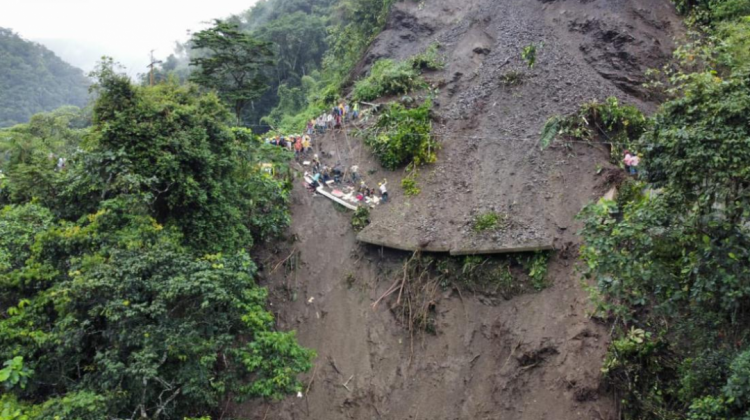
{"points": [[29, 153], [672, 256], [126, 286], [172, 148], [299, 41], [235, 66], [124, 312]]}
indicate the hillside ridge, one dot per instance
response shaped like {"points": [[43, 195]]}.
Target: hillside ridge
{"points": [[531, 356], [33, 79]]}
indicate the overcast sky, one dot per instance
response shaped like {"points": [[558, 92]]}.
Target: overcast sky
{"points": [[81, 31]]}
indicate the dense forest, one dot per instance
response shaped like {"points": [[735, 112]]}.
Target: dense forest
{"points": [[313, 46], [33, 79], [124, 267], [128, 228], [670, 257]]}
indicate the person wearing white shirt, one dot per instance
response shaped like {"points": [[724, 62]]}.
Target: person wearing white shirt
{"points": [[383, 191]]}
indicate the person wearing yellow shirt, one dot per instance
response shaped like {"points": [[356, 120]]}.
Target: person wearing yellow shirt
{"points": [[306, 145]]}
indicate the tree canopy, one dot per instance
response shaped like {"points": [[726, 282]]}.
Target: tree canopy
{"points": [[316, 41], [33, 79], [125, 280], [669, 258], [235, 64]]}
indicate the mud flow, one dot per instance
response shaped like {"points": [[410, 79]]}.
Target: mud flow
{"points": [[492, 345]]}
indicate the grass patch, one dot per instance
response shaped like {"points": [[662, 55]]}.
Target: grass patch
{"points": [[512, 78], [489, 221]]}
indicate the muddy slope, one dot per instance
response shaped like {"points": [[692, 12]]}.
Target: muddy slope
{"points": [[489, 132], [536, 356]]}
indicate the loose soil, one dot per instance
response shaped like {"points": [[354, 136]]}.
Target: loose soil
{"points": [[536, 355]]}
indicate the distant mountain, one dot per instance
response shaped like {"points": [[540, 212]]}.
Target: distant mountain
{"points": [[33, 79]]}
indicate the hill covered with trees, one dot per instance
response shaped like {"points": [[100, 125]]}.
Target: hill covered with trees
{"points": [[314, 44], [33, 79], [125, 278], [128, 284]]}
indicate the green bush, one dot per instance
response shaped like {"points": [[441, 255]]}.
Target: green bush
{"points": [[708, 408], [704, 373], [14, 373], [430, 59], [620, 125], [737, 389], [529, 53], [734, 50], [730, 9], [361, 218], [409, 184], [403, 136], [387, 78], [536, 266], [708, 12]]}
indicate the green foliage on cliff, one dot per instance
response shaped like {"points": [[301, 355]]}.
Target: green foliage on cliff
{"points": [[669, 260]]}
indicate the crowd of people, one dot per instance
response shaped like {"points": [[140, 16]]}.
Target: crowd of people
{"points": [[335, 119], [332, 176], [301, 145], [349, 179]]}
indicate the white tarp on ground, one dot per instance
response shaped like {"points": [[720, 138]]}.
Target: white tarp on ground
{"points": [[321, 190]]}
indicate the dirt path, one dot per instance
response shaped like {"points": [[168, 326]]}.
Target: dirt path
{"points": [[536, 356]]}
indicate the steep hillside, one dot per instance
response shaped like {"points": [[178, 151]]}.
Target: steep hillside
{"points": [[33, 79], [490, 159], [533, 356]]}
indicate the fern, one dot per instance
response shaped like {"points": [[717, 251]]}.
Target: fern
{"points": [[550, 131]]}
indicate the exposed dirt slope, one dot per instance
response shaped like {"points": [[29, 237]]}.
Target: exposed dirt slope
{"points": [[490, 158], [536, 356]]}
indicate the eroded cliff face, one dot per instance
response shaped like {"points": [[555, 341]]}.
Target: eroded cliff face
{"points": [[490, 159], [535, 356]]}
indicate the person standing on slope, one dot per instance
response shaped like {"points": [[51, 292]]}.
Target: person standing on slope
{"points": [[297, 147], [306, 145], [631, 162], [383, 191]]}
